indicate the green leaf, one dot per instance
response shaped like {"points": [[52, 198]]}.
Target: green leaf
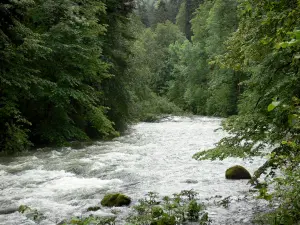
{"points": [[273, 105], [297, 56], [292, 118]]}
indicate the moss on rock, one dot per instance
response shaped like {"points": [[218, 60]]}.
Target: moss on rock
{"points": [[93, 208], [24, 208], [31, 214], [117, 199], [237, 172]]}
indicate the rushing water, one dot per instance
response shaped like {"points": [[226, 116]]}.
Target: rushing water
{"points": [[156, 157]]}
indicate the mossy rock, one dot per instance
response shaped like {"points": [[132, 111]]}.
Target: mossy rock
{"points": [[32, 214], [117, 199], [24, 208], [237, 173], [93, 208]]}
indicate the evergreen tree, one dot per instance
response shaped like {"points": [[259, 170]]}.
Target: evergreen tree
{"points": [[223, 83], [209, 89], [116, 49], [181, 17], [160, 12], [185, 15]]}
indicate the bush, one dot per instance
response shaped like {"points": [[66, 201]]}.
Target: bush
{"points": [[91, 220], [178, 209], [153, 107]]}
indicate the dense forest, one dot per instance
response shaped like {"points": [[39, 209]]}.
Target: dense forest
{"points": [[79, 70]]}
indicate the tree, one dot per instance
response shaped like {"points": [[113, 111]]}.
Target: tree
{"points": [[116, 49], [181, 17], [149, 68], [266, 48], [54, 65], [209, 89], [185, 15], [223, 83], [16, 76]]}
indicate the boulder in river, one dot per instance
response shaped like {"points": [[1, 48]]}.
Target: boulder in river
{"points": [[237, 172], [24, 208], [117, 199], [151, 118], [8, 210], [191, 181], [93, 208]]}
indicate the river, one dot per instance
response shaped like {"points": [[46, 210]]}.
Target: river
{"points": [[157, 157]]}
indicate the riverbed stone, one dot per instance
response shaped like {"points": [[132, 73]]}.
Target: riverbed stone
{"points": [[237, 173], [115, 199]]}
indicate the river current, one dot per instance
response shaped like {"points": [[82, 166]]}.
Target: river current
{"points": [[62, 183]]}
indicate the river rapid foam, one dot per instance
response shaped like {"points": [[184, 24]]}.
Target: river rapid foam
{"points": [[62, 183]]}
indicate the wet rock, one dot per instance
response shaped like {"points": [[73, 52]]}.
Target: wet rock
{"points": [[190, 181], [62, 222], [247, 220], [117, 199], [8, 211], [237, 172], [93, 208], [80, 144], [151, 118]]}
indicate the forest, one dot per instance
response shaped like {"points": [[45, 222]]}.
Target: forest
{"points": [[81, 70]]}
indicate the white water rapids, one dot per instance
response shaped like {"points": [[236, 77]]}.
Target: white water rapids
{"points": [[157, 157]]}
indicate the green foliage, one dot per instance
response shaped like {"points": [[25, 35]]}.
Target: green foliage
{"points": [[185, 14], [187, 73], [265, 47], [91, 220], [197, 83], [55, 59], [155, 107], [174, 210], [116, 50], [149, 68], [157, 11], [225, 202], [181, 17]]}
